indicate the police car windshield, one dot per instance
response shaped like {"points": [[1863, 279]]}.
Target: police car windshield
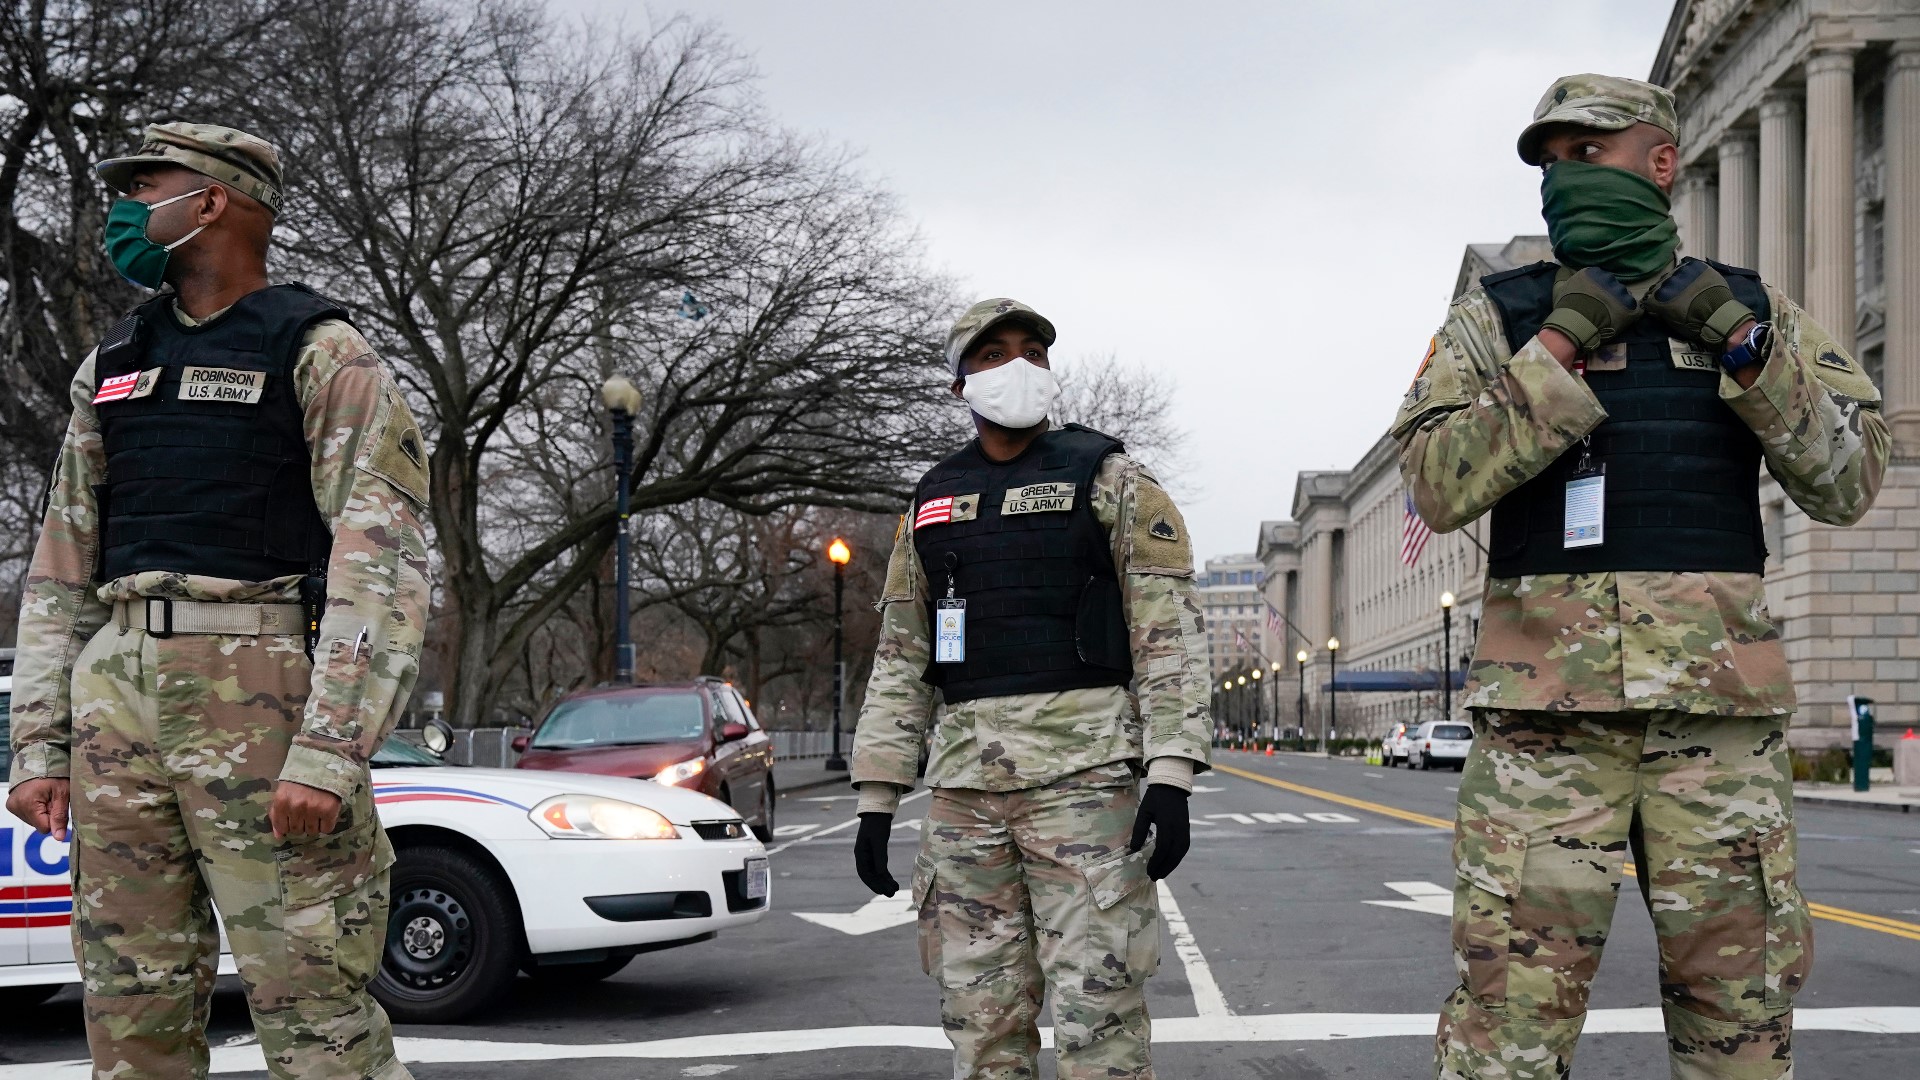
{"points": [[397, 752], [638, 717]]}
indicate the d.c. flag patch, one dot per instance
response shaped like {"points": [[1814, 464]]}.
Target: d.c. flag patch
{"points": [[933, 512], [121, 387]]}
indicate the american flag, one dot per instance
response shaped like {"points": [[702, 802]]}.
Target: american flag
{"points": [[1274, 623], [1414, 534]]}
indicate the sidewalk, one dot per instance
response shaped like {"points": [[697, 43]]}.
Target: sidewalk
{"points": [[804, 774], [1904, 800]]}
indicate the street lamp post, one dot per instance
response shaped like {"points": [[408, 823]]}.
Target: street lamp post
{"points": [[1301, 659], [839, 554], [1273, 680], [1242, 681], [622, 399], [1333, 696], [1259, 715], [1446, 656]]}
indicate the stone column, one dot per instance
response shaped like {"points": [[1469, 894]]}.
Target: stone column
{"points": [[1319, 587], [1739, 239], [1783, 178], [1697, 212], [1902, 389], [1830, 196]]}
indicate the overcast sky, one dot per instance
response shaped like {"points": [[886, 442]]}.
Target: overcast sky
{"points": [[1268, 199]]}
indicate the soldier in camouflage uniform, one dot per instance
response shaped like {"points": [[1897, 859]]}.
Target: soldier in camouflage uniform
{"points": [[1076, 666], [1630, 692], [228, 441]]}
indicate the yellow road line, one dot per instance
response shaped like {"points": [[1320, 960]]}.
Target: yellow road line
{"points": [[1848, 917]]}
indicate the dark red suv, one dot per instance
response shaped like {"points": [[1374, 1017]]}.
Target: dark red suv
{"points": [[697, 735]]}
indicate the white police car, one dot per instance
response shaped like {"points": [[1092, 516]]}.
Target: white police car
{"points": [[561, 875]]}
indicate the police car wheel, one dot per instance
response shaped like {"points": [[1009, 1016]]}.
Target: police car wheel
{"points": [[452, 940], [13, 998], [763, 832]]}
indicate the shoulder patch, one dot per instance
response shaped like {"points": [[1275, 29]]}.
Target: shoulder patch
{"points": [[1433, 346], [1159, 542], [397, 453], [1833, 358]]}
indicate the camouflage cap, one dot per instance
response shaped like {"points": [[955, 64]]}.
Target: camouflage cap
{"points": [[984, 316], [244, 162], [1606, 102]]}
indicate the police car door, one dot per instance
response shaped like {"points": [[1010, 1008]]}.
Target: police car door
{"points": [[36, 896]]}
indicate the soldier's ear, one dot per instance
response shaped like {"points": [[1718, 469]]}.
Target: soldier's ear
{"points": [[959, 384]]}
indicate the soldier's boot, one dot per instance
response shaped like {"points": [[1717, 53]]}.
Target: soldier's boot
{"points": [[1097, 920], [1539, 848], [1716, 848], [976, 937], [143, 929]]}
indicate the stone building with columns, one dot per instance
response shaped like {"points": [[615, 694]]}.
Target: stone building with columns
{"points": [[1800, 150]]}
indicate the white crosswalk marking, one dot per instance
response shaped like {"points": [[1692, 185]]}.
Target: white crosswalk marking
{"points": [[1207, 998], [1271, 1028], [1423, 896]]}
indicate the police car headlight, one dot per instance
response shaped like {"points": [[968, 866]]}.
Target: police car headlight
{"points": [[590, 817], [681, 773]]}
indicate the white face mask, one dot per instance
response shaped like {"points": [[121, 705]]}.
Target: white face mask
{"points": [[1017, 394]]}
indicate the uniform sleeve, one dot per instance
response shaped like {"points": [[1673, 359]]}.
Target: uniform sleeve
{"points": [[1818, 418], [892, 728], [370, 482], [59, 608], [1479, 421], [1154, 558]]}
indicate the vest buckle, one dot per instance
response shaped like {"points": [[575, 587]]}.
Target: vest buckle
{"points": [[165, 629]]}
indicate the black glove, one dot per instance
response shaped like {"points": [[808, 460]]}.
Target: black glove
{"points": [[1165, 808], [1696, 301], [870, 852], [1591, 307]]}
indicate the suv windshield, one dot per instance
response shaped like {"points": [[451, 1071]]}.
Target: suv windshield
{"points": [[1452, 731], [645, 717]]}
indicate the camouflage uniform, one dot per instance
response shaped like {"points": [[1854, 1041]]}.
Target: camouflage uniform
{"points": [[180, 741], [1023, 879], [1640, 709]]}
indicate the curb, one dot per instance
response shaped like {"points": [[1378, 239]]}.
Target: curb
{"points": [[1852, 804]]}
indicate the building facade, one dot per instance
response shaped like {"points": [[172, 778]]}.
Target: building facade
{"points": [[1800, 146], [1236, 620]]}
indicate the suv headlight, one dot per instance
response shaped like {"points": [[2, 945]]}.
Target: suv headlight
{"points": [[676, 775], [590, 817]]}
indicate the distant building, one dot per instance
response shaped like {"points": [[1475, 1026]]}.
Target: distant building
{"points": [[1235, 614]]}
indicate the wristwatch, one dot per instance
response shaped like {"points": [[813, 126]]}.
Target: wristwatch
{"points": [[1749, 352]]}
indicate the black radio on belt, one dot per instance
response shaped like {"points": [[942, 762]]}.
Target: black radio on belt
{"points": [[313, 603]]}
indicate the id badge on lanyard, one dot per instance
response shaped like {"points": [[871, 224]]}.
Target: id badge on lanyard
{"points": [[950, 622], [1586, 505]]}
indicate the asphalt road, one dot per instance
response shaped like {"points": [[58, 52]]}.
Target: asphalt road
{"points": [[1293, 970]]}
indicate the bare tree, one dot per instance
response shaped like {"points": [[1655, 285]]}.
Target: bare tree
{"points": [[1130, 402], [506, 207], [78, 82]]}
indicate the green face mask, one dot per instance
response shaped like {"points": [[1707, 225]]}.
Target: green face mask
{"points": [[1601, 216], [138, 258]]}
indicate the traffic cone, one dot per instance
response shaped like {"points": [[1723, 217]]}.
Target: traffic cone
{"points": [[1908, 735], [1270, 748]]}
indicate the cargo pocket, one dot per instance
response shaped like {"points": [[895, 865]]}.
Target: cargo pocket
{"points": [[1789, 945], [1488, 859], [347, 667], [928, 907], [1123, 924], [329, 912]]}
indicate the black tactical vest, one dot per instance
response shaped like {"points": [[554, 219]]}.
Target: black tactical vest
{"points": [[1682, 470], [1021, 545], [208, 470]]}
